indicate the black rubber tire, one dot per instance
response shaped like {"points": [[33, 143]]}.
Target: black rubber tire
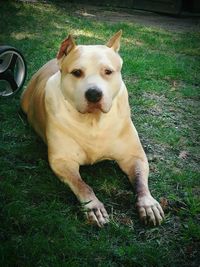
{"points": [[13, 71]]}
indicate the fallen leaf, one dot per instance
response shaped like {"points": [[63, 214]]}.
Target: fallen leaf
{"points": [[164, 203], [174, 83], [183, 155]]}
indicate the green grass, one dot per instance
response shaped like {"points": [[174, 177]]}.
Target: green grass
{"points": [[41, 223]]}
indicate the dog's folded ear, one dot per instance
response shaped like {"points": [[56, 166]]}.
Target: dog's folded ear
{"points": [[114, 41], [66, 46]]}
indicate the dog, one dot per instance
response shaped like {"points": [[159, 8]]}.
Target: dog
{"points": [[78, 104]]}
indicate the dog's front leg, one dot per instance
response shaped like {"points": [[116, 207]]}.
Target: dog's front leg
{"points": [[68, 172], [137, 169]]}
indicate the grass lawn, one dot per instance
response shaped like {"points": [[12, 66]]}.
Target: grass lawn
{"points": [[41, 223]]}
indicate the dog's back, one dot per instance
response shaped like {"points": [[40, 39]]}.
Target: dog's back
{"points": [[32, 101]]}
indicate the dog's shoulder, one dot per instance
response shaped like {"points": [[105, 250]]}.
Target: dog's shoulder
{"points": [[37, 84]]}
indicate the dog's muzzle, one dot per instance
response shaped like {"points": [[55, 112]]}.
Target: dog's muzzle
{"points": [[93, 95]]}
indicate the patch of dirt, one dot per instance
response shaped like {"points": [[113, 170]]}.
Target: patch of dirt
{"points": [[178, 24]]}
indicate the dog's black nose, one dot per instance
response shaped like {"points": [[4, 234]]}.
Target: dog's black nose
{"points": [[93, 95]]}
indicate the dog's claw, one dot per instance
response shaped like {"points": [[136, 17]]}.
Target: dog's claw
{"points": [[96, 213], [150, 210]]}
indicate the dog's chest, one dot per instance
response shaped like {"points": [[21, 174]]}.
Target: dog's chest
{"points": [[95, 137]]}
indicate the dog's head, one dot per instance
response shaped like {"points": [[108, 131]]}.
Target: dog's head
{"points": [[91, 74]]}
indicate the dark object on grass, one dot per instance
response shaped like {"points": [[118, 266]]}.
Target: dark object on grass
{"points": [[12, 71]]}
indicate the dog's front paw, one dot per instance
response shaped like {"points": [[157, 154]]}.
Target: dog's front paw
{"points": [[95, 212], [150, 211]]}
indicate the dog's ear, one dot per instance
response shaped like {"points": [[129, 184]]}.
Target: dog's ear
{"points": [[114, 41], [66, 46]]}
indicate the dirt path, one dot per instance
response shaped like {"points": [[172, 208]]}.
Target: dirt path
{"points": [[185, 23]]}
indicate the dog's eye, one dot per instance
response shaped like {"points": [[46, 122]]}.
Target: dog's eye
{"points": [[77, 73], [108, 72]]}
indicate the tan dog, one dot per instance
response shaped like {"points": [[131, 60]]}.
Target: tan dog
{"points": [[79, 105]]}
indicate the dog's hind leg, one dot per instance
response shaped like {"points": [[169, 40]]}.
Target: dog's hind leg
{"points": [[68, 171]]}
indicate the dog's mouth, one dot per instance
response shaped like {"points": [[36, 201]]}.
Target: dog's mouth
{"points": [[94, 108]]}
